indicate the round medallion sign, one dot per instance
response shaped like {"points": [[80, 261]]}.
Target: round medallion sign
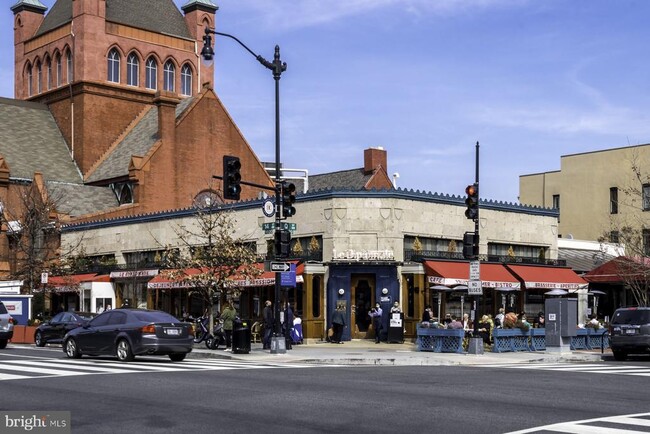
{"points": [[268, 208]]}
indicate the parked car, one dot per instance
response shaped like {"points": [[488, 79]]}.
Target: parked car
{"points": [[126, 333], [53, 331], [629, 332], [6, 326]]}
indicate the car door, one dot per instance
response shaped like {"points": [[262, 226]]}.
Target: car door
{"points": [[109, 332], [64, 326], [88, 336], [50, 329]]}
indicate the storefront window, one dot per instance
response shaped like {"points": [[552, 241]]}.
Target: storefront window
{"points": [[411, 294]]}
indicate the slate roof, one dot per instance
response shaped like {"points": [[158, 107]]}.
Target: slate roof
{"points": [[583, 261], [352, 179], [76, 200], [30, 141], [137, 142], [160, 16]]}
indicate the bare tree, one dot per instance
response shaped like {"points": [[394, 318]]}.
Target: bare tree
{"points": [[630, 227], [33, 234], [209, 257]]}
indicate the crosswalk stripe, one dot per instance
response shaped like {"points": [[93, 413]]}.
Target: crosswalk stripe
{"points": [[588, 426], [44, 367], [587, 368]]}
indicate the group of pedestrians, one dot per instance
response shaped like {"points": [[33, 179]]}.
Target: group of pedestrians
{"points": [[287, 322]]}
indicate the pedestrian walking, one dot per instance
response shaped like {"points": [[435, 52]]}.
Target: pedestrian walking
{"points": [[268, 325], [288, 325], [338, 323], [375, 314], [228, 317]]}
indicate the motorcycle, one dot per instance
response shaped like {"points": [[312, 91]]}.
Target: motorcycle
{"points": [[202, 333]]}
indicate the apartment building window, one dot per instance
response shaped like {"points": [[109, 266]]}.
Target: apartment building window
{"points": [[646, 197], [613, 237], [613, 200], [646, 241], [556, 201]]}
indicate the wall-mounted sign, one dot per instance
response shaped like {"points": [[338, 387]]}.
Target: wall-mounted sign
{"points": [[363, 255]]}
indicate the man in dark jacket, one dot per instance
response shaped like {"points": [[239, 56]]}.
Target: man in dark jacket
{"points": [[338, 323], [268, 325]]}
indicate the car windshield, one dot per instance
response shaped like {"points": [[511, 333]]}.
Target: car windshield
{"points": [[86, 315], [3, 309], [154, 317], [632, 317]]}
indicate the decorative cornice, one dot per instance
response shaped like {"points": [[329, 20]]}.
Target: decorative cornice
{"points": [[417, 195]]}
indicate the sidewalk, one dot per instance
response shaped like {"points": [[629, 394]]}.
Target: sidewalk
{"points": [[366, 352]]}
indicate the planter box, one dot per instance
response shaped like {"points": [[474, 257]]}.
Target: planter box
{"points": [[23, 334], [440, 340], [511, 340]]}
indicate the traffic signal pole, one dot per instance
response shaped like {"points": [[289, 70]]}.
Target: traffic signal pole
{"points": [[476, 343]]}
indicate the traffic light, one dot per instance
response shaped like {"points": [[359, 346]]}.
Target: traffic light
{"points": [[231, 177], [472, 202], [288, 199], [282, 243], [470, 245]]}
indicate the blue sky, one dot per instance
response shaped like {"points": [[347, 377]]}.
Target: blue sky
{"points": [[530, 80]]}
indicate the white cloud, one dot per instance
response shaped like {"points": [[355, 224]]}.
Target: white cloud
{"points": [[290, 14]]}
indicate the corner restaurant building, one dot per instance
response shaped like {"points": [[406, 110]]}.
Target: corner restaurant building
{"points": [[356, 248]]}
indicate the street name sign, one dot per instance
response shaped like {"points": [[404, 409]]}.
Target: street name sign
{"points": [[268, 228], [280, 266]]}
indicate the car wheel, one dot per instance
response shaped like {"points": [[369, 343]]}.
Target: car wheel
{"points": [[71, 349], [3, 343], [619, 355], [177, 357], [124, 352], [38, 340]]}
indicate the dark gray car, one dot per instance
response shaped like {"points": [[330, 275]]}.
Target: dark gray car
{"points": [[630, 332], [6, 326], [126, 333]]}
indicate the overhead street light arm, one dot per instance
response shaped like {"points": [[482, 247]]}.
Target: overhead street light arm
{"points": [[277, 66]]}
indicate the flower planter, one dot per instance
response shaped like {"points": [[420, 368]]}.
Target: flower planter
{"points": [[23, 334]]}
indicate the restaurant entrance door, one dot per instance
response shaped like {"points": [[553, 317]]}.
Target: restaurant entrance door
{"points": [[362, 298]]}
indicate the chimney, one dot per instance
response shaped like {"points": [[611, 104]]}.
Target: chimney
{"points": [[372, 158], [166, 102]]}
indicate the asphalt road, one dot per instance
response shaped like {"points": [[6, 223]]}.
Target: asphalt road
{"points": [[224, 396]]}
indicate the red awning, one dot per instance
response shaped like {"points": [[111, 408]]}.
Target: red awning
{"points": [[544, 277], [620, 270], [267, 278], [71, 283], [450, 273]]}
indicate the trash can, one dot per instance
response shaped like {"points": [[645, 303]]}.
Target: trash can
{"points": [[396, 328], [241, 337]]}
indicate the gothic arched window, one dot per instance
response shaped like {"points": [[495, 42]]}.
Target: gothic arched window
{"points": [[186, 80], [113, 66], [132, 70], [169, 76], [151, 68]]}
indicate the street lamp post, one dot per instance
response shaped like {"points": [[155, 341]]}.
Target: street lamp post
{"points": [[277, 67]]}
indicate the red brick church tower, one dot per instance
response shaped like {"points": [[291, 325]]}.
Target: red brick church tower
{"points": [[124, 82]]}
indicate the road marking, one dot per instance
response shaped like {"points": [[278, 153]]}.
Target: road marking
{"points": [[628, 423], [47, 368], [588, 368]]}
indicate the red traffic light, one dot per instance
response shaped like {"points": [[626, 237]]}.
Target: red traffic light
{"points": [[472, 190], [472, 201]]}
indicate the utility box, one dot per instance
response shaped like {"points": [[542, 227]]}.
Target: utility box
{"points": [[561, 323]]}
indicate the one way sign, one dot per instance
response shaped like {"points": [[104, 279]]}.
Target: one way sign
{"points": [[280, 266]]}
